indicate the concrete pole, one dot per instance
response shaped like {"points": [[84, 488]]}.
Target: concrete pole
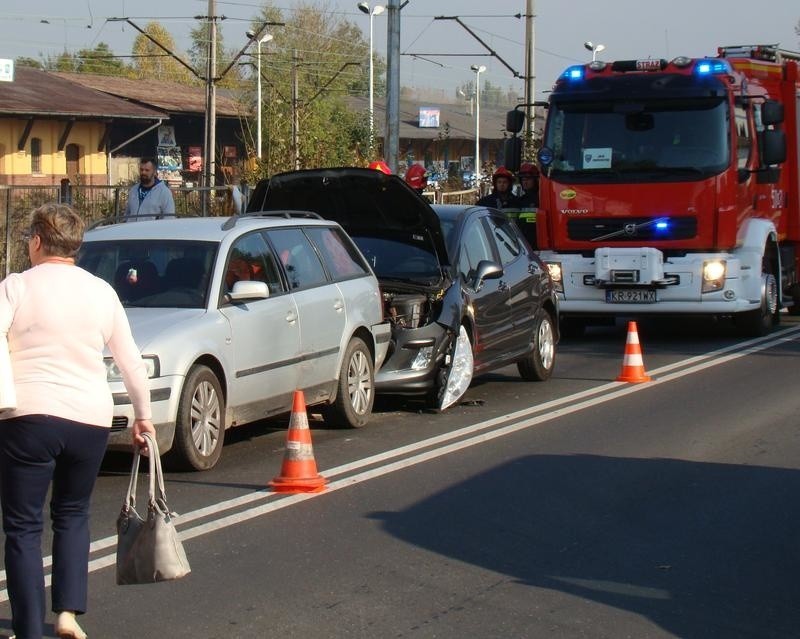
{"points": [[258, 102], [530, 78], [371, 92], [392, 131], [295, 112]]}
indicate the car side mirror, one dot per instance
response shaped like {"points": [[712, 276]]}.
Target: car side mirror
{"points": [[249, 290], [486, 270]]}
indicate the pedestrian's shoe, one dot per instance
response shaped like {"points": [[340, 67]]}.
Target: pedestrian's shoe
{"points": [[67, 627]]}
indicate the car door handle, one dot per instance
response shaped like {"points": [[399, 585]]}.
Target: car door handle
{"points": [[291, 317], [338, 305], [502, 286]]}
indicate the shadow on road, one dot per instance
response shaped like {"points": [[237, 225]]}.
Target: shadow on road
{"points": [[701, 549]]}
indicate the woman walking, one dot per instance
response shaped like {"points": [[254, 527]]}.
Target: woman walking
{"points": [[55, 321]]}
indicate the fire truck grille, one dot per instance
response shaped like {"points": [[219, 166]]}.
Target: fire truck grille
{"points": [[630, 229]]}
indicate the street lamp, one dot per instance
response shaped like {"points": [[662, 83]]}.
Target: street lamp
{"points": [[478, 70], [376, 10], [265, 38], [594, 48]]}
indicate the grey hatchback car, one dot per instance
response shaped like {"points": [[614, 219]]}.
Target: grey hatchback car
{"points": [[232, 315]]}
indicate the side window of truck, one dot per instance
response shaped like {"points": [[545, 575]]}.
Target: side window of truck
{"points": [[744, 138]]}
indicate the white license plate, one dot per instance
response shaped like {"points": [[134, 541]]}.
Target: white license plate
{"points": [[630, 296]]}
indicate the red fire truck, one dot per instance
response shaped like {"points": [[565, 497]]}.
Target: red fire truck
{"points": [[671, 187]]}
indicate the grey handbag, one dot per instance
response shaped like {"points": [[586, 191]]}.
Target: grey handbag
{"points": [[148, 550]]}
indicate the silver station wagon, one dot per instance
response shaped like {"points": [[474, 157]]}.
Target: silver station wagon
{"points": [[232, 315]]}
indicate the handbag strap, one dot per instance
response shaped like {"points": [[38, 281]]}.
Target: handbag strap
{"points": [[156, 475]]}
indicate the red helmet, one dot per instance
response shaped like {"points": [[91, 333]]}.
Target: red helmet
{"points": [[502, 172], [416, 176], [528, 169], [380, 165]]}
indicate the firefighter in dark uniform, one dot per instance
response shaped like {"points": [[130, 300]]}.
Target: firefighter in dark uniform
{"points": [[528, 201], [501, 196]]}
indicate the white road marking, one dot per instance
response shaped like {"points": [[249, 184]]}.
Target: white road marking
{"points": [[552, 410]]}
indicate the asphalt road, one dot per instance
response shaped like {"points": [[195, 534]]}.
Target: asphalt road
{"points": [[579, 507]]}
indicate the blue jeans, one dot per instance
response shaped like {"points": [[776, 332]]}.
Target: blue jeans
{"points": [[36, 450]]}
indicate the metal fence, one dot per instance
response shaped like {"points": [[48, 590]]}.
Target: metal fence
{"points": [[95, 203], [99, 202]]}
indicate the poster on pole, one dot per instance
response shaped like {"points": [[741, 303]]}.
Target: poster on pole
{"points": [[170, 163], [195, 160], [429, 118]]}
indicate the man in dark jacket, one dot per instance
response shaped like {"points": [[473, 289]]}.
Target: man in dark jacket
{"points": [[501, 196]]}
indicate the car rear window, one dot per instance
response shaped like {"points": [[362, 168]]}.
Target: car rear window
{"points": [[298, 257]]}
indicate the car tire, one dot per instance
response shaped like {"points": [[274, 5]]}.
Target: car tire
{"points": [[200, 426], [538, 366], [356, 388]]}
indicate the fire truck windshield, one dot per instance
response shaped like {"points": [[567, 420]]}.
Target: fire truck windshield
{"points": [[646, 140]]}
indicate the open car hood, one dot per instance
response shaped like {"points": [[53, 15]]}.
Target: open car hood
{"points": [[359, 200]]}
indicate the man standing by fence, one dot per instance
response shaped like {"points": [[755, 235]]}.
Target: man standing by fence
{"points": [[151, 198]]}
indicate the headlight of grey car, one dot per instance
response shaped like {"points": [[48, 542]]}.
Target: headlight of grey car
{"points": [[113, 373]]}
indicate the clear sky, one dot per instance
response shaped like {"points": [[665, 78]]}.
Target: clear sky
{"points": [[627, 28]]}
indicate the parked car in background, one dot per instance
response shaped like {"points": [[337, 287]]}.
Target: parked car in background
{"points": [[232, 315], [462, 289]]}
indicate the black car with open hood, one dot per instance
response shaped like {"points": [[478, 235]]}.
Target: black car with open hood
{"points": [[425, 297]]}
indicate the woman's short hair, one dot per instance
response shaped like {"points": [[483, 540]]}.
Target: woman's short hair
{"points": [[59, 228]]}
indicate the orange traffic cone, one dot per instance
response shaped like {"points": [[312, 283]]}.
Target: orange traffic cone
{"points": [[632, 363], [299, 470]]}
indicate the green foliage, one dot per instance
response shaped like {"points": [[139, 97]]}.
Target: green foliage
{"points": [[151, 61], [99, 60], [28, 62], [326, 46]]}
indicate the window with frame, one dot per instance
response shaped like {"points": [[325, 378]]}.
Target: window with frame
{"points": [[474, 248], [36, 155], [338, 253], [744, 140], [251, 258], [298, 257], [508, 244]]}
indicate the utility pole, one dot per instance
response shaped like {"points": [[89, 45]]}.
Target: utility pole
{"points": [[209, 152], [391, 140], [295, 112], [530, 77]]}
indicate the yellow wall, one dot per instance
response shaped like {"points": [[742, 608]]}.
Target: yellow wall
{"points": [[86, 135]]}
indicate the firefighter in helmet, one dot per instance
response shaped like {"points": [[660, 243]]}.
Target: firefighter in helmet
{"points": [[417, 178], [501, 196], [529, 181], [528, 202]]}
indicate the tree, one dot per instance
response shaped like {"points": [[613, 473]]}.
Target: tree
{"points": [[150, 61], [327, 45], [100, 60], [23, 61], [198, 54]]}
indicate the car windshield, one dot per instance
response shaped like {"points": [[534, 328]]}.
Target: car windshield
{"points": [[620, 140], [153, 273], [400, 256]]}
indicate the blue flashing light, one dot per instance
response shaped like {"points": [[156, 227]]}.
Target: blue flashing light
{"points": [[711, 67], [662, 226], [574, 73]]}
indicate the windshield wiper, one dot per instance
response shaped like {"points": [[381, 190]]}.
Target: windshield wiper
{"points": [[628, 229]]}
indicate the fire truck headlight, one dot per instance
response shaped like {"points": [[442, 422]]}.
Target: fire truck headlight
{"points": [[555, 274], [713, 275]]}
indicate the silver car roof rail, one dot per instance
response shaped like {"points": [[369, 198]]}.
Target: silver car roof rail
{"points": [[118, 219], [231, 221]]}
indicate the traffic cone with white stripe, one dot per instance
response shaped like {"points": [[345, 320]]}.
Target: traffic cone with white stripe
{"points": [[632, 363], [299, 469]]}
